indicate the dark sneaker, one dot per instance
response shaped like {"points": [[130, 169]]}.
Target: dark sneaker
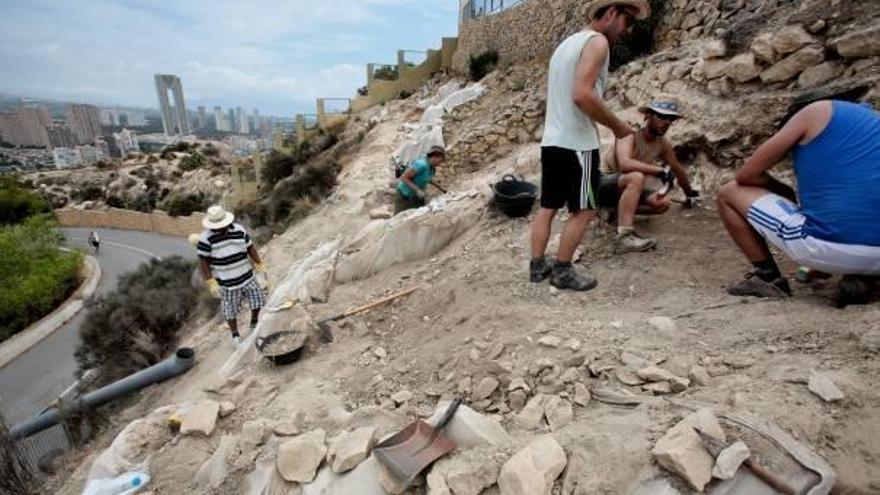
{"points": [[568, 278], [540, 269], [752, 285], [630, 242], [854, 289]]}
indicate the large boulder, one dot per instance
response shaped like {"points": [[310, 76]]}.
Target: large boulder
{"points": [[789, 67], [818, 75], [762, 47], [300, 457], [858, 44], [681, 450], [534, 469]]}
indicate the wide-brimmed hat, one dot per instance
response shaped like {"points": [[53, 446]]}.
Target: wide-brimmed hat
{"points": [[643, 7], [217, 218], [663, 107]]}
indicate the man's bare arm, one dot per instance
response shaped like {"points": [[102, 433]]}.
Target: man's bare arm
{"points": [[407, 178], [205, 268], [677, 168], [252, 251], [626, 151], [755, 172], [591, 63]]}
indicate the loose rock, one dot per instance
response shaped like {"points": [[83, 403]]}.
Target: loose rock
{"points": [[486, 388], [199, 417], [550, 341], [532, 415], [681, 451], [822, 386], [300, 457], [351, 449], [655, 374], [226, 408], [663, 323], [729, 461], [402, 396], [793, 65], [558, 412], [469, 428], [743, 68], [581, 395], [534, 469], [858, 44], [791, 39], [699, 375]]}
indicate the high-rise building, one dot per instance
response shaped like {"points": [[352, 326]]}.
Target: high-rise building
{"points": [[26, 126], [203, 117], [231, 122], [242, 122], [219, 120], [90, 154], [109, 117], [175, 120], [256, 122], [84, 121], [61, 136]]}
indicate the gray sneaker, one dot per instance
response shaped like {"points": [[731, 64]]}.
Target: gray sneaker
{"points": [[752, 285], [540, 269], [630, 242], [567, 278]]}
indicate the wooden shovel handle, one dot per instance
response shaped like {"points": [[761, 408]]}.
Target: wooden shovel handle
{"points": [[380, 302], [771, 479]]}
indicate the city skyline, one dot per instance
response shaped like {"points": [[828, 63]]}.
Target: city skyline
{"points": [[273, 58]]}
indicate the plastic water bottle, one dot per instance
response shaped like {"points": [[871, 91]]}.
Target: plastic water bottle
{"points": [[127, 484]]}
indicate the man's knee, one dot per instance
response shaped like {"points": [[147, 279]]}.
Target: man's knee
{"points": [[632, 179]]}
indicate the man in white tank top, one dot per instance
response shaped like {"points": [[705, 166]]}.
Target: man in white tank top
{"points": [[570, 147]]}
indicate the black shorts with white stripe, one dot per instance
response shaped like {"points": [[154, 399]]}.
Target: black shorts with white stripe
{"points": [[570, 178]]}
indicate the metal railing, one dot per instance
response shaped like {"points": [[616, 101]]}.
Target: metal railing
{"points": [[476, 9], [52, 441]]}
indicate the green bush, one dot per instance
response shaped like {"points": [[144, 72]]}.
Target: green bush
{"points": [[35, 276], [210, 150], [482, 64], [641, 42], [192, 162], [137, 325], [17, 203], [182, 205], [88, 192]]}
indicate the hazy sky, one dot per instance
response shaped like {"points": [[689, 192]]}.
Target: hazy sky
{"points": [[274, 55]]}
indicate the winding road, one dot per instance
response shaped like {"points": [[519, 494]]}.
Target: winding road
{"points": [[36, 378]]}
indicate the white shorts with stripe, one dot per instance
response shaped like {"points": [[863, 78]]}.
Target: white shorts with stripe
{"points": [[781, 223]]}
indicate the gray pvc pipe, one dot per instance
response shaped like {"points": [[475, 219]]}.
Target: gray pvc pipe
{"points": [[182, 360]]}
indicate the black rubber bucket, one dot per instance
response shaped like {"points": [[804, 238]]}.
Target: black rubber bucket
{"points": [[515, 197], [283, 356]]}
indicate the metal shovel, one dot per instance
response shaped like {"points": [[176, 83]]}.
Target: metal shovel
{"points": [[416, 447]]}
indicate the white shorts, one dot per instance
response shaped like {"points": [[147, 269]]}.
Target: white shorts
{"points": [[780, 222]]}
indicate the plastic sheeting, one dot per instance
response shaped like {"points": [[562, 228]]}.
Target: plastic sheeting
{"points": [[442, 93], [410, 236]]}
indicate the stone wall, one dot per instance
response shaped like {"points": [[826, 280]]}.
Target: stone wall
{"points": [[113, 218]]}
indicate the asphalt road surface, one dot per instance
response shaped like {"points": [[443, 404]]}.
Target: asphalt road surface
{"points": [[36, 378]]}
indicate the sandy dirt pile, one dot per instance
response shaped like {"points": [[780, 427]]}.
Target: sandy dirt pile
{"points": [[565, 393]]}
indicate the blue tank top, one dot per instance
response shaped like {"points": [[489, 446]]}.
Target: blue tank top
{"points": [[838, 175]]}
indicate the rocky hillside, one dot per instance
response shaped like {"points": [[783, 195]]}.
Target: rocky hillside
{"points": [[564, 393]]}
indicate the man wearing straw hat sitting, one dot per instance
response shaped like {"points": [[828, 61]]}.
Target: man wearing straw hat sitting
{"points": [[570, 146], [628, 167], [225, 257]]}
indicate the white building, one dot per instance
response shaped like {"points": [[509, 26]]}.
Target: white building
{"points": [[66, 157], [90, 155], [126, 141], [242, 125], [243, 145]]}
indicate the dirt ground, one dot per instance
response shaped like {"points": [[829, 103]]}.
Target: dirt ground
{"points": [[475, 315]]}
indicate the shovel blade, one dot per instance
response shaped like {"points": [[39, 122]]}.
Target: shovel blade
{"points": [[408, 453]]}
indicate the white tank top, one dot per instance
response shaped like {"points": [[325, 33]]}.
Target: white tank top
{"points": [[565, 125]]}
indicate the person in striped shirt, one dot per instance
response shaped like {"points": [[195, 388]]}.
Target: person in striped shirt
{"points": [[228, 260]]}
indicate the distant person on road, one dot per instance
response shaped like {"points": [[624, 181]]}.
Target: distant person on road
{"points": [[570, 147], [228, 260], [631, 163], [94, 241], [412, 185], [830, 224]]}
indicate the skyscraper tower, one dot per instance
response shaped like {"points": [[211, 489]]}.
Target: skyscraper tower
{"points": [[175, 120], [203, 117]]}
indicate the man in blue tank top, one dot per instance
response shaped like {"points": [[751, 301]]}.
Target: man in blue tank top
{"points": [[831, 223]]}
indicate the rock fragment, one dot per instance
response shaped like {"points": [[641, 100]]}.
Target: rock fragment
{"points": [[681, 451], [559, 412], [299, 458], [550, 341], [823, 387], [485, 389], [531, 416], [351, 449], [199, 418], [729, 461], [534, 469]]}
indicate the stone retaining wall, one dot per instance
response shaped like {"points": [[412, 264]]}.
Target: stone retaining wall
{"points": [[113, 218]]}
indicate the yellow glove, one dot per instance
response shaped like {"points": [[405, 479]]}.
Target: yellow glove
{"points": [[213, 288], [259, 267]]}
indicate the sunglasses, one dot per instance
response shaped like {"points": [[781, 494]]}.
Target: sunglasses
{"points": [[667, 118], [630, 19]]}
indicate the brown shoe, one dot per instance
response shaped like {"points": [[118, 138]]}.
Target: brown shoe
{"points": [[752, 285]]}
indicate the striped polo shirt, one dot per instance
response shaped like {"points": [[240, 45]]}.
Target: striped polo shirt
{"points": [[226, 252]]}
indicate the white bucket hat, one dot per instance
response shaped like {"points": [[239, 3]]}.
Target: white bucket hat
{"points": [[217, 218]]}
